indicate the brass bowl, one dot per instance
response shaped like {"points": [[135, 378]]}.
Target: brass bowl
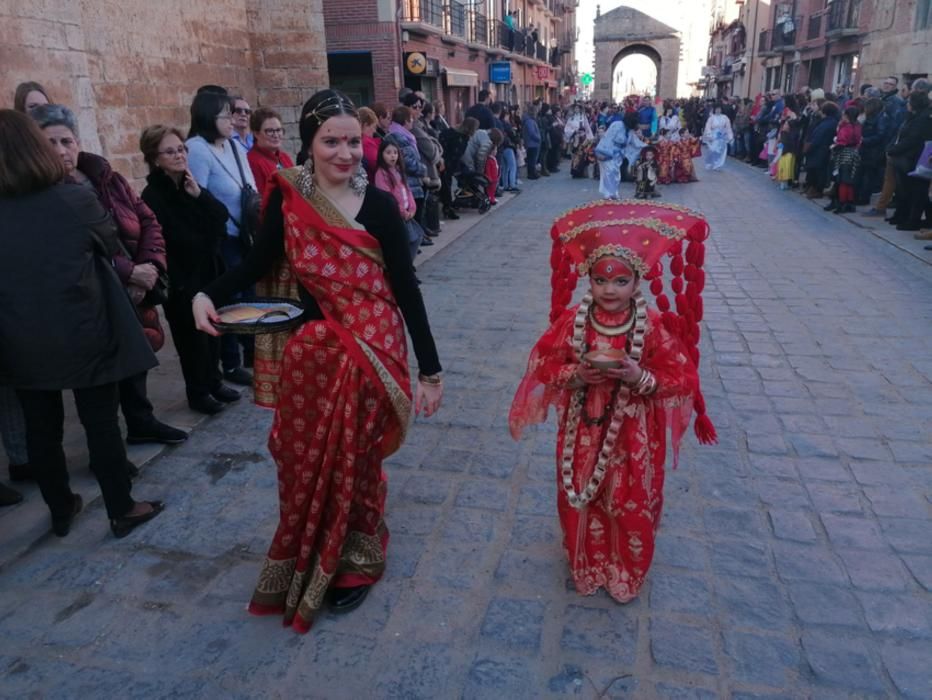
{"points": [[605, 359]]}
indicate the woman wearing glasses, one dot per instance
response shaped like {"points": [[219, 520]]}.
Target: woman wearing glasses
{"points": [[267, 155], [193, 224]]}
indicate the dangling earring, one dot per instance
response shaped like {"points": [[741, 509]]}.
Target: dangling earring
{"points": [[359, 181], [305, 179]]}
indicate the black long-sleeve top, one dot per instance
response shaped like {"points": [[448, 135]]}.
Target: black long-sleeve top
{"points": [[379, 216]]}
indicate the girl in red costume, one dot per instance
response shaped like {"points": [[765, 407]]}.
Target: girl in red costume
{"points": [[613, 423]]}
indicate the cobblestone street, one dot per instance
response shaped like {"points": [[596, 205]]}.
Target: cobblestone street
{"points": [[794, 559]]}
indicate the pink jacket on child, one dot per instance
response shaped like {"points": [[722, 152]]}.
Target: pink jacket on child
{"points": [[399, 189]]}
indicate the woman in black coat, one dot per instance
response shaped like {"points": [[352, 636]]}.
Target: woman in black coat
{"points": [[817, 149], [65, 323], [912, 193], [193, 224]]}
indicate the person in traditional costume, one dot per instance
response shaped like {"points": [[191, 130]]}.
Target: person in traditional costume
{"points": [[716, 136], [611, 155], [339, 383], [581, 147], [613, 422], [685, 149], [646, 174]]}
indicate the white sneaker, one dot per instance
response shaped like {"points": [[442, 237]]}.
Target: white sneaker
{"points": [[518, 183]]}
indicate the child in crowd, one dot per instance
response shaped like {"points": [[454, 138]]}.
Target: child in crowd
{"points": [[846, 161], [645, 174], [620, 375], [492, 172], [390, 178]]}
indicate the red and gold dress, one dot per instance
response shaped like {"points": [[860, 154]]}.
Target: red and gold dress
{"points": [[342, 404], [612, 438], [610, 542]]}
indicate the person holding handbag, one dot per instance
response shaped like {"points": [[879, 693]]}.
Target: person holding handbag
{"points": [[139, 261], [73, 330], [219, 165]]}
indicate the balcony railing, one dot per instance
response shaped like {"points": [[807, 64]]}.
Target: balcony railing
{"points": [[455, 20], [424, 11], [765, 43], [814, 30], [843, 17], [784, 34], [477, 23]]}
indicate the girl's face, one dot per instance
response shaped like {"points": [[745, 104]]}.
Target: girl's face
{"points": [[390, 156], [337, 149], [612, 284], [173, 156], [649, 156], [35, 99]]}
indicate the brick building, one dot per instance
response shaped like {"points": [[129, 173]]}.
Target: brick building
{"points": [[828, 44], [448, 49], [125, 65]]}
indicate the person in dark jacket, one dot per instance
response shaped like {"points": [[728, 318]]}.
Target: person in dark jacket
{"points": [[482, 111], [817, 150], [545, 123], [874, 137], [912, 193], [139, 260], [74, 329], [530, 132], [193, 224]]}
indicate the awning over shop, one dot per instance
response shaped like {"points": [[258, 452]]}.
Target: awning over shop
{"points": [[461, 78]]}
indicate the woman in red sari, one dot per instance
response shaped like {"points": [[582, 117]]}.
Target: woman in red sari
{"points": [[613, 422], [340, 388]]}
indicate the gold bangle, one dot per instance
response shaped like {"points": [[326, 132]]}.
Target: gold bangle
{"points": [[432, 380]]}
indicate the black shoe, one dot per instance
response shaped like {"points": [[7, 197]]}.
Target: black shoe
{"points": [[207, 405], [225, 394], [927, 247], [157, 432], [426, 242], [514, 190], [907, 227], [62, 526], [431, 234], [9, 497], [21, 472], [450, 214], [238, 376], [342, 600], [121, 527]]}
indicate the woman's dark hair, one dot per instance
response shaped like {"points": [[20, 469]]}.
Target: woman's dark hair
{"points": [[258, 117], [830, 109], [469, 126], [631, 120], [496, 136], [27, 161], [427, 111], [381, 164], [790, 102], [873, 106], [918, 100], [852, 114], [204, 110], [323, 105], [151, 139], [22, 90]]}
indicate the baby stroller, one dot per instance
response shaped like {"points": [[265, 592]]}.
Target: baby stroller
{"points": [[472, 192]]}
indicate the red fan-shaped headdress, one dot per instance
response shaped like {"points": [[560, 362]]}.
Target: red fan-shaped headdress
{"points": [[639, 233]]}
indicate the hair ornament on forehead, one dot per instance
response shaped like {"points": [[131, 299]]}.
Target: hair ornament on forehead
{"points": [[330, 107], [638, 234]]}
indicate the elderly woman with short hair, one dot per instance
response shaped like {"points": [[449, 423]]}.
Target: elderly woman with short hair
{"points": [[139, 261]]}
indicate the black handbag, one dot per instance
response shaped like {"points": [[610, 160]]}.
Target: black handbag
{"points": [[250, 202]]}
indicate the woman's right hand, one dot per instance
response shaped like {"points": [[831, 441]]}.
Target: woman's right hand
{"points": [[205, 315], [588, 374]]}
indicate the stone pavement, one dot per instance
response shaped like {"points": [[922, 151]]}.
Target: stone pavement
{"points": [[794, 560]]}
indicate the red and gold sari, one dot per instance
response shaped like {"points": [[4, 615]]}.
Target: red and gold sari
{"points": [[610, 541], [343, 404]]}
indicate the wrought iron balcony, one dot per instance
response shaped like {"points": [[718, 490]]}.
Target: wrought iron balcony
{"points": [[814, 30], [423, 11], [765, 44], [843, 18], [784, 34], [455, 20]]}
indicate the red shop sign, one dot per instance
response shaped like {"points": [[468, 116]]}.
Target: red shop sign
{"points": [[543, 72]]}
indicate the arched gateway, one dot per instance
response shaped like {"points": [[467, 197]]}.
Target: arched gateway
{"points": [[626, 31]]}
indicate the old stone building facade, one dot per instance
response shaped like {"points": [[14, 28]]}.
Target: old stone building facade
{"points": [[125, 65], [828, 44]]}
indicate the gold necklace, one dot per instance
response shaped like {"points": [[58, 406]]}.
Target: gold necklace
{"points": [[611, 331], [581, 500]]}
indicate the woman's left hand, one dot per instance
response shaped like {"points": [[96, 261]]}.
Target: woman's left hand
{"points": [[427, 398], [629, 372]]}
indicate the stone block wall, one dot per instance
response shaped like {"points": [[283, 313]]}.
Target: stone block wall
{"points": [[125, 65]]}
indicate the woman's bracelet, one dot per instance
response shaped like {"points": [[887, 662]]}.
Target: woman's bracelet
{"points": [[646, 385], [430, 379]]}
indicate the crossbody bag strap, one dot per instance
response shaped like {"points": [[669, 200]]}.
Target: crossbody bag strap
{"points": [[242, 175]]}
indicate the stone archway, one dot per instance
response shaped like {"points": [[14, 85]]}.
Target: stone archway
{"points": [[625, 31], [643, 50]]}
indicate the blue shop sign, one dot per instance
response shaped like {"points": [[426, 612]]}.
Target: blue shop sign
{"points": [[500, 72]]}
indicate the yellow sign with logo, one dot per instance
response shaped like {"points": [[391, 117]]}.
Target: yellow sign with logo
{"points": [[416, 63]]}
